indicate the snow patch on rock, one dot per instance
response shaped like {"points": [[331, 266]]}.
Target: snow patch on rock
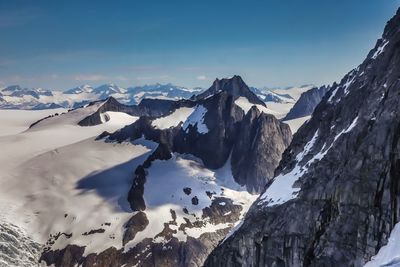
{"points": [[281, 190], [173, 119], [196, 119], [380, 49]]}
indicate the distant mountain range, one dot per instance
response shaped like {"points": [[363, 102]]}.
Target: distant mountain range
{"points": [[17, 97]]}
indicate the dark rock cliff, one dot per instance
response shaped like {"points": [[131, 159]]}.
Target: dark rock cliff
{"points": [[345, 198], [258, 149]]}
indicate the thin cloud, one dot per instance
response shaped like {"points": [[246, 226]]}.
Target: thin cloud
{"points": [[201, 78]]}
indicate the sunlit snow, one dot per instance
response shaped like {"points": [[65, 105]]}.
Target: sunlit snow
{"points": [[196, 118]]}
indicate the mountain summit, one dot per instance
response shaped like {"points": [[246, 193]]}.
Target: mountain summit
{"points": [[234, 86]]}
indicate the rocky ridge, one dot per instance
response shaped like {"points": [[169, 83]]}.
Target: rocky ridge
{"points": [[335, 197]]}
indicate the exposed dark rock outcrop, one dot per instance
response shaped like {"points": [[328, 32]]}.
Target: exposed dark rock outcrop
{"points": [[307, 103], [69, 256], [135, 195], [347, 193], [258, 149], [136, 223], [222, 119]]}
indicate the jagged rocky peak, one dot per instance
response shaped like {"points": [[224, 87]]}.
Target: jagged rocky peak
{"points": [[234, 86], [335, 198], [216, 130]]}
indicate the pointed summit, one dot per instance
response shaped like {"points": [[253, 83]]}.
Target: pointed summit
{"points": [[234, 86]]}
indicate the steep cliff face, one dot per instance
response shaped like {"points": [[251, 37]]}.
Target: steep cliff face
{"points": [[307, 103], [213, 141], [335, 196], [256, 153]]}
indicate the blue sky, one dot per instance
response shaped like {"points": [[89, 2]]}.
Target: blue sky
{"points": [[62, 44]]}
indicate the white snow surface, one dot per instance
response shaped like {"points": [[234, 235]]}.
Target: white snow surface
{"points": [[173, 119], [56, 178], [295, 124], [294, 92], [16, 121], [246, 105], [196, 119], [117, 118], [388, 255], [175, 174]]}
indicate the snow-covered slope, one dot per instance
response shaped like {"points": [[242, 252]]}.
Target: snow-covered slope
{"points": [[16, 121], [186, 195], [55, 179], [173, 119], [295, 124]]}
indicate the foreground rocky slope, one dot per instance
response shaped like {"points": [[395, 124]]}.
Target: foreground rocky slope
{"points": [[335, 197]]}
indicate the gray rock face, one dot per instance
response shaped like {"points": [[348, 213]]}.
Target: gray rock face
{"points": [[136, 224], [258, 149], [234, 86], [222, 119], [307, 103], [347, 195]]}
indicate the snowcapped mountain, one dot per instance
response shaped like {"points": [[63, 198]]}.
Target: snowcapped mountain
{"points": [[16, 97], [160, 183], [334, 200]]}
